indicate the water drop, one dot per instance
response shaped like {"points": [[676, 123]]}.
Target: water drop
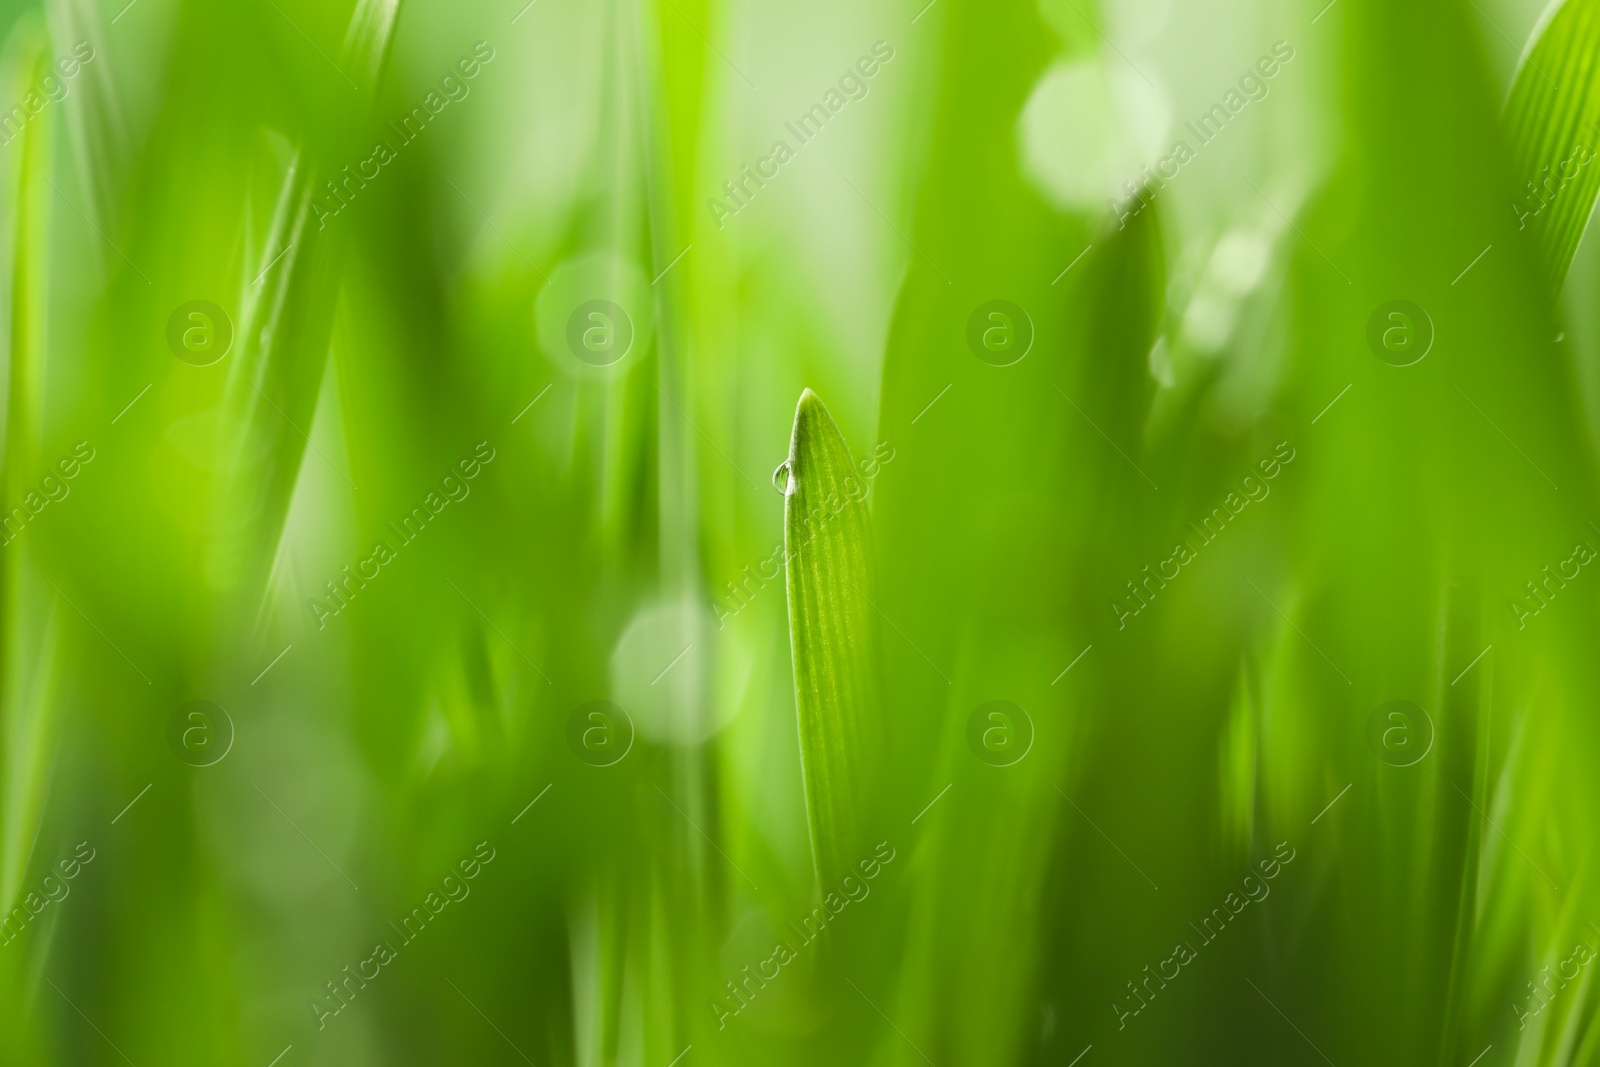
{"points": [[786, 485]]}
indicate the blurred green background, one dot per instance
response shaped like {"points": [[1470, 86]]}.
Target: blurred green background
{"points": [[399, 617]]}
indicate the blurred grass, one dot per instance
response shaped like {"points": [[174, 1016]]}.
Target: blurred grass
{"points": [[621, 542]]}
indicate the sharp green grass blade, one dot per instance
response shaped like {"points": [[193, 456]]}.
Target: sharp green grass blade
{"points": [[826, 541], [1552, 114]]}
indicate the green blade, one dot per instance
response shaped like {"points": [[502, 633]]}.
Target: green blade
{"points": [[275, 381], [826, 537], [23, 725], [1554, 105]]}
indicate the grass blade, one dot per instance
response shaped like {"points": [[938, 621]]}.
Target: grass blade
{"points": [[274, 384], [1552, 112], [830, 632], [26, 272]]}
